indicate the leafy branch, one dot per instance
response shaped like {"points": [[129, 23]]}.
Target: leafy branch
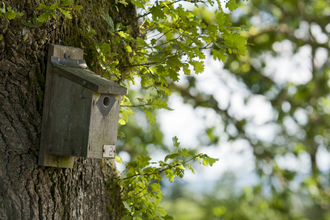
{"points": [[9, 13], [50, 12], [141, 186]]}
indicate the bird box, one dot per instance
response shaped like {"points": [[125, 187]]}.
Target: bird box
{"points": [[81, 110]]}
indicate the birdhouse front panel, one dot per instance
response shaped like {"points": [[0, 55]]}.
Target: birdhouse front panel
{"points": [[103, 128]]}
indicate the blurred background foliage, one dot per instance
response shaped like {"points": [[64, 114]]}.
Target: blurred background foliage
{"points": [[287, 66]]}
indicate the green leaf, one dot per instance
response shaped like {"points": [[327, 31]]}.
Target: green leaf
{"points": [[43, 17], [171, 156], [19, 14], [105, 48], [10, 15], [141, 42], [77, 7], [118, 159], [54, 15], [123, 34], [146, 81], [39, 23], [121, 134], [184, 152], [128, 49], [143, 160], [158, 103], [161, 211], [138, 3], [109, 20], [42, 7], [121, 121], [186, 69], [190, 168], [25, 37], [209, 160], [220, 55], [149, 116], [173, 75], [153, 41], [53, 6], [128, 208], [175, 142], [66, 13], [1, 37], [126, 113], [168, 217], [231, 5], [198, 66], [66, 2], [222, 19], [123, 2], [157, 12], [3, 10], [170, 175], [235, 42]]}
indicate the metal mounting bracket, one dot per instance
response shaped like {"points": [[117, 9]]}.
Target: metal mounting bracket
{"points": [[60, 61]]}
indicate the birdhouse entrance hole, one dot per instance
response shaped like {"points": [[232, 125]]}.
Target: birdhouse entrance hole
{"points": [[106, 101]]}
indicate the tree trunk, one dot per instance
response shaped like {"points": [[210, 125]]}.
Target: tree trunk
{"points": [[28, 191]]}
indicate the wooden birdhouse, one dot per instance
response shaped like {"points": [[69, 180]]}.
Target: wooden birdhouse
{"points": [[81, 110]]}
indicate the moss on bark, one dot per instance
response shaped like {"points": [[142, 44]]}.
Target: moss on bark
{"points": [[75, 30]]}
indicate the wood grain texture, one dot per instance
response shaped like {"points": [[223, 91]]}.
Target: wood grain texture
{"points": [[58, 104], [102, 130], [93, 81]]}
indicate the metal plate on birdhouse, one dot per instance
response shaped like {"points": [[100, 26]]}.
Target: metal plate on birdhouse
{"points": [[109, 151], [68, 62], [105, 103]]}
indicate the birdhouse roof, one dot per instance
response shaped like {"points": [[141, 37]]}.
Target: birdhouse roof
{"points": [[92, 80]]}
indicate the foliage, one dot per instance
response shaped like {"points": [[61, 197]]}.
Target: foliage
{"points": [[9, 14], [49, 12], [286, 65], [171, 38], [141, 183]]}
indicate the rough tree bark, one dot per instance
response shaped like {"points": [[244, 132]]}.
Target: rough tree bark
{"points": [[28, 191]]}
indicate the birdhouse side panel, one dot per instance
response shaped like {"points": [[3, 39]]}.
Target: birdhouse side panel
{"points": [[103, 129], [70, 111]]}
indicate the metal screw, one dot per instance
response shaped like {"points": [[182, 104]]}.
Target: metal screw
{"points": [[66, 55], [84, 83], [58, 159], [81, 96]]}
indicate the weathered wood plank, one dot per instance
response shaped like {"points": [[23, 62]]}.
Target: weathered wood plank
{"points": [[58, 51], [103, 130], [92, 81], [70, 118]]}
